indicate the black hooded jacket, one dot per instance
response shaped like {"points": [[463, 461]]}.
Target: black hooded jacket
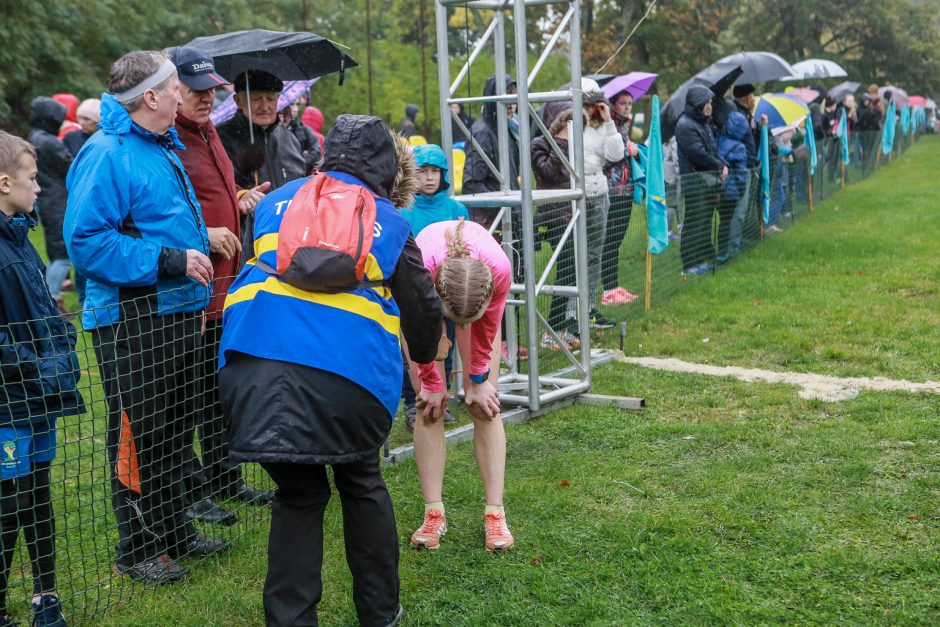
{"points": [[698, 151], [52, 161], [477, 177], [276, 154]]}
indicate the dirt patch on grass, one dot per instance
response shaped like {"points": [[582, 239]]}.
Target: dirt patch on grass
{"points": [[812, 386]]}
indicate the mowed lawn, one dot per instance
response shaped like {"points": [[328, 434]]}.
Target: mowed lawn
{"points": [[721, 503]]}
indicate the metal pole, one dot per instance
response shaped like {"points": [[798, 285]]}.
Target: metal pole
{"points": [[525, 175], [443, 78], [369, 51], [424, 71]]}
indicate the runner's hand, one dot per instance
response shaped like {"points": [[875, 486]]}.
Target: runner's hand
{"points": [[485, 396], [432, 404]]}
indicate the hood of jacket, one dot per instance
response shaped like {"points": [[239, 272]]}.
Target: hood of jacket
{"points": [[46, 114], [696, 98], [411, 111], [736, 126], [71, 105], [363, 146], [432, 154], [313, 118], [115, 120], [489, 109]]}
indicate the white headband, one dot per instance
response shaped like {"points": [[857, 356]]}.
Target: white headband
{"points": [[165, 71]]}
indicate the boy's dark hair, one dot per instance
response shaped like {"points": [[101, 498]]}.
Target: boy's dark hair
{"points": [[12, 149]]}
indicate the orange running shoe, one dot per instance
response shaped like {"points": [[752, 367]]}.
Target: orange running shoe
{"points": [[498, 538], [429, 535]]}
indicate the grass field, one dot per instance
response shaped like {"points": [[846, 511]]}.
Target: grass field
{"points": [[722, 502]]}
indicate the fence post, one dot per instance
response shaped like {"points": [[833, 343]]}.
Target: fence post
{"points": [[648, 305]]}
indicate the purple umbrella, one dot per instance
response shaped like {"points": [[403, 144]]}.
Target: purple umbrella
{"points": [[634, 83], [291, 92]]}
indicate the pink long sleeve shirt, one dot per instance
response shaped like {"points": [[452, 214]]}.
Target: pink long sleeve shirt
{"points": [[482, 246]]}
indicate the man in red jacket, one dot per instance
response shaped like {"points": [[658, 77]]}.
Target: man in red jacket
{"points": [[223, 205]]}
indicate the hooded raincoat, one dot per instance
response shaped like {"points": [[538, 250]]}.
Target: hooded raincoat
{"points": [[695, 139], [440, 207], [52, 161]]}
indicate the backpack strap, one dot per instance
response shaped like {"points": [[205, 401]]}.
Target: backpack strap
{"points": [[266, 267]]}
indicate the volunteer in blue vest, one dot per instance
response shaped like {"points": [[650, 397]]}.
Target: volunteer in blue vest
{"points": [[312, 379]]}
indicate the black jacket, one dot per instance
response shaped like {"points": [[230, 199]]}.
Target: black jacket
{"points": [[869, 118], [39, 370], [52, 160], [477, 177], [276, 154], [752, 139], [309, 144], [695, 139]]}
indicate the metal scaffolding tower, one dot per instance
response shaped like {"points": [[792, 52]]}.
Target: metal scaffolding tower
{"points": [[527, 387]]}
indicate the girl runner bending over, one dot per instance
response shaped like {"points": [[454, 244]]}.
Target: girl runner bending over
{"points": [[472, 276]]}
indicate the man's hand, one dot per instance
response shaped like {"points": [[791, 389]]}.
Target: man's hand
{"points": [[198, 267], [484, 396], [250, 198], [223, 242], [724, 173], [431, 405]]}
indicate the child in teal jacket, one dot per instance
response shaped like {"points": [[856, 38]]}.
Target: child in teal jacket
{"points": [[432, 203]]}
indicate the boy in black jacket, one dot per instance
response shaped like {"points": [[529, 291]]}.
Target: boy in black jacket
{"points": [[38, 383]]}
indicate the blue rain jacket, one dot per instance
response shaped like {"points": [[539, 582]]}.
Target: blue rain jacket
{"points": [[437, 208]]}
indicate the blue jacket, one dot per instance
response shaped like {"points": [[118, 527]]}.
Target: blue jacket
{"points": [[131, 215], [38, 367], [270, 319], [437, 208], [733, 148]]}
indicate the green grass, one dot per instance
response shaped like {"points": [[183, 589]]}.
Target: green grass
{"points": [[722, 502]]}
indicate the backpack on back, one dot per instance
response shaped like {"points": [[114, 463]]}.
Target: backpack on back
{"points": [[325, 237]]}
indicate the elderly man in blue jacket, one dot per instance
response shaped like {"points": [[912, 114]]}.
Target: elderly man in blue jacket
{"points": [[133, 226]]}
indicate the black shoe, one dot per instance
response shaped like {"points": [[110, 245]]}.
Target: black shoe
{"points": [[398, 615], [159, 571], [200, 546], [48, 612], [207, 511], [241, 491], [598, 321], [411, 414], [449, 418]]}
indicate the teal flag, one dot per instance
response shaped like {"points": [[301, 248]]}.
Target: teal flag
{"points": [[764, 173], [656, 218], [811, 144], [844, 137], [887, 133], [905, 120]]}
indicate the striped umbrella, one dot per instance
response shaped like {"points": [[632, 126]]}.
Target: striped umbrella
{"points": [[781, 109]]}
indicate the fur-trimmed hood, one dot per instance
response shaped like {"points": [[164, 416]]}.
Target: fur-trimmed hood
{"points": [[363, 146]]}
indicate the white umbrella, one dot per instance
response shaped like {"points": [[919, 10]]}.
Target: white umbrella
{"points": [[816, 68]]}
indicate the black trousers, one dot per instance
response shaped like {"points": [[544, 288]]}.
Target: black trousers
{"points": [[618, 222], [149, 369], [26, 503], [216, 474], [294, 586], [700, 205], [564, 264]]}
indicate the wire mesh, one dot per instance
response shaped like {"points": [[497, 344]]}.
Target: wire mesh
{"points": [[102, 488]]}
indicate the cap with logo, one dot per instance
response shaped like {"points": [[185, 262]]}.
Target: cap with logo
{"points": [[195, 68]]}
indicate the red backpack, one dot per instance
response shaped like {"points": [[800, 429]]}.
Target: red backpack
{"points": [[325, 237]]}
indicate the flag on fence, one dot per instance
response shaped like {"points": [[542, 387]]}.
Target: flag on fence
{"points": [[843, 133], [811, 144], [905, 120], [638, 173], [656, 219], [765, 173], [887, 134]]}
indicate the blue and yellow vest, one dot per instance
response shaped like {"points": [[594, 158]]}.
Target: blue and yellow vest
{"points": [[353, 334]]}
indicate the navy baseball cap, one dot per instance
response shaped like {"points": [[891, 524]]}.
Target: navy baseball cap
{"points": [[195, 68]]}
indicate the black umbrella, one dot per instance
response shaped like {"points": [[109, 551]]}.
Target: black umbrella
{"points": [[289, 56], [718, 77], [759, 67], [842, 89]]}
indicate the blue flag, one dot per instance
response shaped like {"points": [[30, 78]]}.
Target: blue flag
{"points": [[764, 173], [887, 133], [656, 218], [844, 137], [905, 120], [811, 144], [638, 173]]}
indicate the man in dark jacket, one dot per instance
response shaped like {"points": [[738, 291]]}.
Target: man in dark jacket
{"points": [[222, 205], [698, 153], [38, 383], [408, 126], [313, 379], [53, 160], [477, 176]]}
